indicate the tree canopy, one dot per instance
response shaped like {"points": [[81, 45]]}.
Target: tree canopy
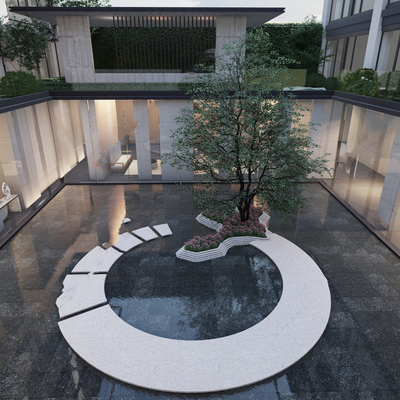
{"points": [[244, 135], [26, 41], [300, 42]]}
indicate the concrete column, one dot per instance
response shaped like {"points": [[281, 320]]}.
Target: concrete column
{"points": [[142, 139], [375, 35], [76, 48], [168, 110], [98, 168], [229, 29]]}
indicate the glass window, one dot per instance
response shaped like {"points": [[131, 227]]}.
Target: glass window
{"points": [[357, 6], [337, 6], [329, 65], [359, 52], [367, 5], [346, 8], [388, 52], [338, 59], [349, 54]]}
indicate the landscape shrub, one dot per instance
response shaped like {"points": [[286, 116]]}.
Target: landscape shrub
{"points": [[331, 83], [315, 79], [18, 83], [232, 227], [362, 81], [54, 84]]}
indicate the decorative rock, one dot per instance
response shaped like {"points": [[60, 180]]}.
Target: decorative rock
{"points": [[97, 260], [145, 233], [127, 242], [127, 220], [163, 230], [80, 293]]}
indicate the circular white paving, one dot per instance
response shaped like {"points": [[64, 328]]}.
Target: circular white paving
{"points": [[289, 332]]}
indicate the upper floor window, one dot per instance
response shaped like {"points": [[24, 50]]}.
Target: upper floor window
{"points": [[346, 8]]}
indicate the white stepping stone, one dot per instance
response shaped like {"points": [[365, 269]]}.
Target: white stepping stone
{"points": [[163, 230], [97, 260], [145, 233], [127, 242], [127, 220], [80, 293]]}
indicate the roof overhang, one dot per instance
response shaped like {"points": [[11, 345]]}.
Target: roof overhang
{"points": [[103, 16]]}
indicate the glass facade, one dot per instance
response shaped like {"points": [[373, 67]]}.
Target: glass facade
{"points": [[346, 8], [348, 54], [367, 168], [389, 59]]}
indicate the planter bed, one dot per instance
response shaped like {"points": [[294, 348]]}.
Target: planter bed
{"points": [[222, 249]]}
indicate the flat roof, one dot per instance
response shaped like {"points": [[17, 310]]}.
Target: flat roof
{"points": [[103, 16]]}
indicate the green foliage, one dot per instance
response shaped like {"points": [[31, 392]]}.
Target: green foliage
{"points": [[363, 81], [331, 83], [54, 84], [77, 3], [300, 43], [26, 41], [315, 79], [19, 83], [152, 48], [246, 139]]}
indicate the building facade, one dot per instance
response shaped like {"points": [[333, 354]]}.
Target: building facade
{"points": [[361, 34]]}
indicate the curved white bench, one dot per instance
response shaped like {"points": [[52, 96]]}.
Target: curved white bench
{"points": [[289, 332]]}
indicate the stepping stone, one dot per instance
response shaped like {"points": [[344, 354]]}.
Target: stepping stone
{"points": [[163, 230], [97, 260], [145, 233], [81, 292], [127, 242]]}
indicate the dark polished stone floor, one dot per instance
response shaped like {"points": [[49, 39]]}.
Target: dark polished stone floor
{"points": [[356, 358]]}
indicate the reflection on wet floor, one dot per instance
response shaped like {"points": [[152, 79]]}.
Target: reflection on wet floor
{"points": [[165, 296], [356, 358]]}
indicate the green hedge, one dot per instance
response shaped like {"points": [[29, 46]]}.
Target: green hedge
{"points": [[177, 49], [19, 83]]}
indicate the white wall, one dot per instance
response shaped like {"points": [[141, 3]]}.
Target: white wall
{"points": [[38, 145]]}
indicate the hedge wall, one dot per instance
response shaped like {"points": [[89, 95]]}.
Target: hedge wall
{"points": [[178, 49]]}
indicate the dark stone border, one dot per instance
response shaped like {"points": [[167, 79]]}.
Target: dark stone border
{"points": [[256, 16], [371, 103]]}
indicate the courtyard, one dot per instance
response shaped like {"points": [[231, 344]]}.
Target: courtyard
{"points": [[356, 358]]}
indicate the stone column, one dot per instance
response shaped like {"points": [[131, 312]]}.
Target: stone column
{"points": [[375, 35], [228, 30], [168, 110], [76, 48], [97, 169], [142, 139]]}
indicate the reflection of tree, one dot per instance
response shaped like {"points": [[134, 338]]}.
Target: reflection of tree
{"points": [[240, 303]]}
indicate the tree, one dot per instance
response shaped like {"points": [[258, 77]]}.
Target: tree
{"points": [[300, 42], [245, 136], [26, 41]]}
